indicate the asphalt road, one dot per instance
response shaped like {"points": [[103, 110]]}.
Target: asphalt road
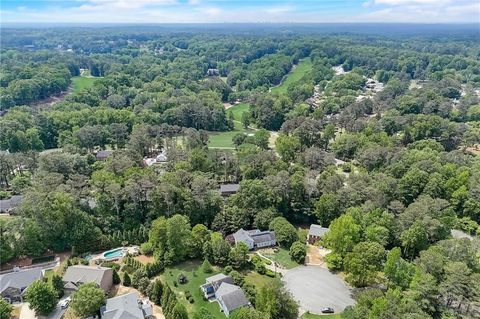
{"points": [[58, 312], [315, 287]]}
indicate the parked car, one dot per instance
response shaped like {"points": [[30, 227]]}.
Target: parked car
{"points": [[64, 304], [327, 310]]}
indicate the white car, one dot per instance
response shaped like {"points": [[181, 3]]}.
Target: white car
{"points": [[64, 303]]}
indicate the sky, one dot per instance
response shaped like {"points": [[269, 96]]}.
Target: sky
{"points": [[239, 11]]}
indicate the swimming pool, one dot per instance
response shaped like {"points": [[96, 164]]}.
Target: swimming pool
{"points": [[114, 253]]}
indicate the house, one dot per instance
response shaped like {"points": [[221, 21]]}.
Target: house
{"points": [[316, 233], [255, 238], [79, 274], [127, 306], [8, 206], [14, 284], [231, 297], [213, 72], [229, 189], [213, 283], [103, 155], [159, 159], [228, 295]]}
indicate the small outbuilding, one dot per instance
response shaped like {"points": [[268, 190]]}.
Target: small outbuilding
{"points": [[8, 206], [103, 155], [316, 233], [229, 189]]}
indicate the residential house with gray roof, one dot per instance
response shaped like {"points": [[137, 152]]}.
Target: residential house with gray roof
{"points": [[315, 233], [128, 306], [14, 284], [79, 274], [254, 238]]}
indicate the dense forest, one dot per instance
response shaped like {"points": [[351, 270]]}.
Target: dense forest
{"points": [[378, 140]]}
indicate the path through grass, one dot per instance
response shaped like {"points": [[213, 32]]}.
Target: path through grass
{"points": [[295, 75]]}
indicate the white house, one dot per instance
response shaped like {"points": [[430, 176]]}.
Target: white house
{"points": [[255, 238]]}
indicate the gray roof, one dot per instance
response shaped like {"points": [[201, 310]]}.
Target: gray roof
{"points": [[317, 230], [127, 306], [8, 204], [229, 188], [19, 279], [84, 274], [232, 296], [219, 278], [242, 235], [262, 237], [103, 154]]}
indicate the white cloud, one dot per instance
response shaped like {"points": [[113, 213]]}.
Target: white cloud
{"points": [[279, 9]]}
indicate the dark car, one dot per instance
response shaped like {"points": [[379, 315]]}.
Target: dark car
{"points": [[327, 310]]}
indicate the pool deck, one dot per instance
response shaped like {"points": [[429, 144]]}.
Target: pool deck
{"points": [[132, 250]]}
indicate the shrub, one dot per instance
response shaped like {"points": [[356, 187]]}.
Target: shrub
{"points": [[127, 282], [298, 251], [116, 277], [111, 264], [187, 294], [143, 285], [207, 267], [175, 283], [146, 248], [228, 269], [334, 261], [128, 269], [182, 279], [270, 273], [137, 276], [237, 277]]}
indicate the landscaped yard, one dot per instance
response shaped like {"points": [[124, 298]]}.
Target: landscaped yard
{"points": [[258, 280], [196, 278], [312, 316], [81, 82], [282, 257], [295, 75]]}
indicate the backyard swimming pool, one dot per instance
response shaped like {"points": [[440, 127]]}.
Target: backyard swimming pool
{"points": [[114, 253]]}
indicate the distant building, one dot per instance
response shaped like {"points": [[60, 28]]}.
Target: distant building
{"points": [[228, 295], [13, 285], [159, 159], [128, 306], [8, 206], [229, 189], [254, 238], [103, 155], [316, 233], [79, 274], [213, 72]]}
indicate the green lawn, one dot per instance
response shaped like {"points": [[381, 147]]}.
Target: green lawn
{"points": [[330, 316], [258, 280], [223, 140], [302, 68], [283, 258], [238, 110], [196, 277], [80, 83]]}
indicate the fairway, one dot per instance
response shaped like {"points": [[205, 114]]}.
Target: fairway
{"points": [[238, 110], [295, 75], [223, 140], [80, 83]]}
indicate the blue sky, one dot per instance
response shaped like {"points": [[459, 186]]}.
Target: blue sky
{"points": [[213, 11]]}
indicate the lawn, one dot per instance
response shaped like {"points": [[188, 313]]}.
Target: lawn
{"points": [[313, 316], [223, 140], [80, 83], [302, 68], [238, 110], [258, 280], [196, 277], [282, 256]]}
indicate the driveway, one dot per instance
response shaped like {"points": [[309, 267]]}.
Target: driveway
{"points": [[58, 312], [315, 287]]}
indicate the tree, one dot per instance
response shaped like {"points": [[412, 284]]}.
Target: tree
{"points": [[220, 249], [287, 146], [414, 239], [127, 282], [207, 267], [264, 217], [344, 233], [298, 251], [5, 309], [41, 297], [245, 120], [363, 263], [116, 277], [284, 231], [247, 313], [203, 313], [398, 271], [239, 255], [87, 300], [276, 302], [327, 208], [155, 292], [58, 285]]}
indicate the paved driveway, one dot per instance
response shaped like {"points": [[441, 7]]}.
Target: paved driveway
{"points": [[315, 287]]}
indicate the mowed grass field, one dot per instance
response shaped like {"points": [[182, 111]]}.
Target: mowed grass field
{"points": [[223, 140], [304, 66], [196, 277], [80, 83], [282, 256]]}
